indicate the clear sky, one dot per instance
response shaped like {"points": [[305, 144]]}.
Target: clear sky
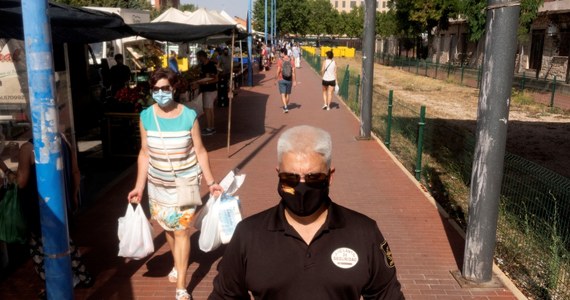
{"points": [[232, 7]]}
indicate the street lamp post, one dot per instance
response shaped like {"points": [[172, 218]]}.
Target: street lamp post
{"points": [[249, 45]]}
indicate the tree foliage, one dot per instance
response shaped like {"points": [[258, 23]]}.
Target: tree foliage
{"points": [[386, 24], [474, 12], [414, 17], [134, 4], [475, 15]]}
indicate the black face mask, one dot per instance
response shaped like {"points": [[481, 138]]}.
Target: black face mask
{"points": [[306, 200]]}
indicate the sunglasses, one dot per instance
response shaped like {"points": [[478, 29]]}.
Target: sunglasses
{"points": [[165, 88], [315, 180]]}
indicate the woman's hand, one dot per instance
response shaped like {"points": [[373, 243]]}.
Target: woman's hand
{"points": [[216, 190], [135, 196]]}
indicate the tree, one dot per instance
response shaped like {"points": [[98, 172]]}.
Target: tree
{"points": [[415, 17], [354, 26], [322, 17], [188, 7], [529, 12], [134, 4], [386, 24], [474, 12]]}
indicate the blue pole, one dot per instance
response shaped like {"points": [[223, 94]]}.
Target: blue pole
{"points": [[47, 147], [274, 19], [265, 22], [271, 36], [249, 45]]}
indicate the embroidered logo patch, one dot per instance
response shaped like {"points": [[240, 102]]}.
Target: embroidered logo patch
{"points": [[345, 258], [387, 254]]}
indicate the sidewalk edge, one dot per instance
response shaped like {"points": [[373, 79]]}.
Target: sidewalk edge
{"points": [[498, 272]]}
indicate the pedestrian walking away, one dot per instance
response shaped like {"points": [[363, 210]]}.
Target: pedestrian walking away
{"points": [[328, 72], [297, 55], [209, 89], [285, 78], [307, 246], [171, 148]]}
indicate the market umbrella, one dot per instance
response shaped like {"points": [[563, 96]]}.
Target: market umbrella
{"points": [[68, 24]]}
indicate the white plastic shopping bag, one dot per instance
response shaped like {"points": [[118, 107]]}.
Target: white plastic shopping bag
{"points": [[229, 215], [135, 234], [209, 234], [336, 89], [213, 230]]}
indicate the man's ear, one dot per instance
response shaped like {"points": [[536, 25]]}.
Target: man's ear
{"points": [[331, 175]]}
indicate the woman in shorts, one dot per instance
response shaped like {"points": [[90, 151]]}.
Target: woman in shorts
{"points": [[328, 72]]}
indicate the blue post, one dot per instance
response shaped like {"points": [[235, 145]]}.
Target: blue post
{"points": [[249, 45], [47, 147], [271, 36], [274, 20], [265, 23]]}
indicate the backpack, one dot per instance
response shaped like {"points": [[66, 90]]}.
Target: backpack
{"points": [[287, 70]]}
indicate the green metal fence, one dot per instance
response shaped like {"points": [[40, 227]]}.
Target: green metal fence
{"points": [[533, 233], [550, 92]]}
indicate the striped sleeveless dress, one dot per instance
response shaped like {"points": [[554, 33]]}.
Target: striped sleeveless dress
{"points": [[176, 141]]}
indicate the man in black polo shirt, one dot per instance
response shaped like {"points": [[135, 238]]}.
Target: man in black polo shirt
{"points": [[307, 247]]}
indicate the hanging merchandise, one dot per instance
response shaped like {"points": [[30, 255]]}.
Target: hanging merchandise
{"points": [[12, 221]]}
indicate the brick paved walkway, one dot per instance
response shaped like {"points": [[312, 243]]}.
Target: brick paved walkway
{"points": [[426, 247]]}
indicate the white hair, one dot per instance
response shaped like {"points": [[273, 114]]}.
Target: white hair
{"points": [[305, 139]]}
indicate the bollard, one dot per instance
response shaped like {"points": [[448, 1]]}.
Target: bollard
{"points": [[389, 119], [357, 91], [462, 73], [479, 77], [417, 66], [553, 91], [344, 89], [523, 81], [436, 67], [426, 62], [448, 68], [420, 142]]}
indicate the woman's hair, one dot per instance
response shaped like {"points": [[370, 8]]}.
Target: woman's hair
{"points": [[304, 140], [164, 73], [179, 86], [330, 54], [284, 50]]}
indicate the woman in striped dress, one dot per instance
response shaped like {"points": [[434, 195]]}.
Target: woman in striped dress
{"points": [[174, 146]]}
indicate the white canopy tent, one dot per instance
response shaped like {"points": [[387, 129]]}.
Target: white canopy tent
{"points": [[173, 15]]}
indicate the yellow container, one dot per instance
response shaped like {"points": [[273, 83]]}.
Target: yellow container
{"points": [[182, 63]]}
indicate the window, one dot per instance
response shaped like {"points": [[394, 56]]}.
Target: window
{"points": [[336, 4], [383, 4], [343, 4], [352, 4]]}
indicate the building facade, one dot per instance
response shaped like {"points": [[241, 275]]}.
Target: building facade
{"points": [[165, 3], [347, 5]]}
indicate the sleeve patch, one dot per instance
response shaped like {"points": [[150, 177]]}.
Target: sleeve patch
{"points": [[387, 254]]}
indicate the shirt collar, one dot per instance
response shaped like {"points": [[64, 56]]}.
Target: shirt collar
{"points": [[277, 221]]}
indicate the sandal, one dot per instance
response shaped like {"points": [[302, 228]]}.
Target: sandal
{"points": [[173, 275], [182, 294]]}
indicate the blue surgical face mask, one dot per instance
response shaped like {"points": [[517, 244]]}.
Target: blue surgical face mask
{"points": [[162, 98]]}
